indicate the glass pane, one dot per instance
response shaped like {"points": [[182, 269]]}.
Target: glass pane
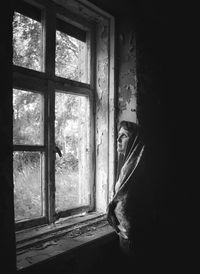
{"points": [[28, 184], [27, 42], [72, 138], [27, 118], [71, 58]]}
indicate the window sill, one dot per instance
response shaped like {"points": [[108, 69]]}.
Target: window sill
{"points": [[46, 243]]}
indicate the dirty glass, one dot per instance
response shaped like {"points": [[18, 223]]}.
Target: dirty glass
{"points": [[28, 175], [27, 118], [72, 139], [71, 58], [27, 42]]}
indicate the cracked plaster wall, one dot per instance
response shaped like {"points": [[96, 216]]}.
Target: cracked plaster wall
{"points": [[127, 88]]}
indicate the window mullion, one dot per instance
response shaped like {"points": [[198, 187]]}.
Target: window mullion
{"points": [[49, 36], [49, 33], [51, 152], [46, 165]]}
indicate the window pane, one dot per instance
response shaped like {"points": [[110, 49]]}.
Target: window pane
{"points": [[27, 118], [27, 42], [71, 58], [72, 137], [28, 184]]}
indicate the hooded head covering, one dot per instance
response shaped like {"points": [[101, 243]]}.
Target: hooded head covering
{"points": [[127, 163], [118, 210]]}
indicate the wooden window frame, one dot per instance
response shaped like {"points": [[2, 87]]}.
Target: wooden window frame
{"points": [[47, 82]]}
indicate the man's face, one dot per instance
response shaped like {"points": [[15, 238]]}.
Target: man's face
{"points": [[122, 140]]}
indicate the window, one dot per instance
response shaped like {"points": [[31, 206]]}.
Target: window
{"points": [[63, 111]]}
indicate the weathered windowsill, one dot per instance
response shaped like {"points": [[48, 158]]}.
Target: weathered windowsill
{"points": [[47, 243]]}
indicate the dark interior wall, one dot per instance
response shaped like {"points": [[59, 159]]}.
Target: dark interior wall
{"points": [[156, 113], [7, 236], [163, 108], [164, 66]]}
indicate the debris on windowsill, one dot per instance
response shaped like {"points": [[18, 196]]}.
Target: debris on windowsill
{"points": [[67, 244], [34, 236], [86, 230]]}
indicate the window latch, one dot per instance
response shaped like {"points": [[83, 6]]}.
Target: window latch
{"points": [[57, 150]]}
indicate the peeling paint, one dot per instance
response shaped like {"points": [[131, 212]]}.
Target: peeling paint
{"points": [[126, 95], [99, 143], [127, 91], [103, 75]]}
